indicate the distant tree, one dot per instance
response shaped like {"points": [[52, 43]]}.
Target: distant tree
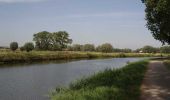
{"points": [[29, 46], [117, 50], [14, 46], [149, 49], [165, 49], [126, 50], [77, 47], [105, 48], [158, 19], [61, 39], [88, 47], [43, 40]]}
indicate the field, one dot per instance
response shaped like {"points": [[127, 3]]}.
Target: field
{"points": [[112, 84]]}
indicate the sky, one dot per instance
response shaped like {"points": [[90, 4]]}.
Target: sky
{"points": [[119, 22]]}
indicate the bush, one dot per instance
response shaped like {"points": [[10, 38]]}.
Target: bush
{"points": [[29, 46], [107, 48], [14, 46], [77, 47], [88, 47]]}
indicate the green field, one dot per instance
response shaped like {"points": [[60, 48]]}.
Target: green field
{"points": [[111, 84]]}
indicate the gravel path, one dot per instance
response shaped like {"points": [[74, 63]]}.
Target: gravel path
{"points": [[156, 84]]}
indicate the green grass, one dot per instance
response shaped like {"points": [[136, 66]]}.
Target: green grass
{"points": [[7, 56], [116, 84]]}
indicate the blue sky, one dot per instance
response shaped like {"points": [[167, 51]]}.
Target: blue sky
{"points": [[118, 22]]}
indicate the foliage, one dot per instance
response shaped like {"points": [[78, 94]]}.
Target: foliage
{"points": [[158, 19], [149, 49], [14, 46], [29, 46], [77, 47], [88, 47], [60, 39], [165, 49], [119, 84], [52, 41], [126, 50], [105, 48], [42, 40]]}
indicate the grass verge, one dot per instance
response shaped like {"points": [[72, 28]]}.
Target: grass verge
{"points": [[111, 84]]}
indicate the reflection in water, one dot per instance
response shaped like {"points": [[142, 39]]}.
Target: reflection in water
{"points": [[34, 81]]}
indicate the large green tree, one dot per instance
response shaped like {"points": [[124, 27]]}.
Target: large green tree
{"points": [[61, 39], [158, 19], [43, 40], [52, 41]]}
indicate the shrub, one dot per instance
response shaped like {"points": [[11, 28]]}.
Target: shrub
{"points": [[77, 47], [14, 46], [88, 47], [29, 46], [105, 48]]}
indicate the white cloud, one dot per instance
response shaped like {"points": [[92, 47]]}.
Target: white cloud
{"points": [[13, 1]]}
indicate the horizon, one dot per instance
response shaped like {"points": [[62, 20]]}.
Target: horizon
{"points": [[92, 21]]}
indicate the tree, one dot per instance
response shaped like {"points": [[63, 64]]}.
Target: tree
{"points": [[149, 49], [165, 49], [14, 46], [61, 39], [88, 47], [158, 19], [29, 46], [126, 50], [77, 47], [43, 40], [105, 48]]}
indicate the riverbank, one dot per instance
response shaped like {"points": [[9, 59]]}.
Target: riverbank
{"points": [[7, 57], [120, 84]]}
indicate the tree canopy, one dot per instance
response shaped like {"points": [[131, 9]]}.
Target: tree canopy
{"points": [[52, 41], [29, 46], [14, 46], [158, 19]]}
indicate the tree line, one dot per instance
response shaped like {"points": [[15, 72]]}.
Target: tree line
{"points": [[59, 41]]}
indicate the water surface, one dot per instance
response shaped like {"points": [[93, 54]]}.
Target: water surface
{"points": [[35, 81]]}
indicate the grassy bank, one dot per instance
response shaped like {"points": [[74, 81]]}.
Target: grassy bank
{"points": [[50, 55], [120, 84], [18, 56]]}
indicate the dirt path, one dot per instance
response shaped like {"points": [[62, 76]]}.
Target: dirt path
{"points": [[156, 84]]}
